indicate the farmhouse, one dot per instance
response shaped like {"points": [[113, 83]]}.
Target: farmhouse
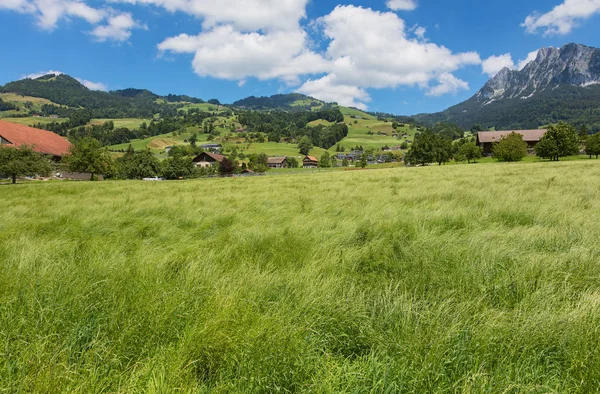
{"points": [[486, 139], [310, 162], [207, 159], [277, 162], [42, 141], [212, 147]]}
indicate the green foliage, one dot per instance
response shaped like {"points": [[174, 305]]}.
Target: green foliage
{"points": [[363, 161], [277, 102], [305, 145], [142, 164], [87, 155], [293, 162], [560, 140], [22, 161], [226, 167], [178, 167], [325, 161], [510, 148], [345, 162], [592, 145], [429, 147], [470, 151]]}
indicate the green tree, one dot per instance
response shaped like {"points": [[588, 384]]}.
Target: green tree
{"points": [[305, 145], [592, 145], [325, 161], [23, 161], [226, 167], [177, 167], [583, 132], [510, 148], [470, 151], [560, 140], [293, 162], [364, 160], [88, 155], [345, 162]]}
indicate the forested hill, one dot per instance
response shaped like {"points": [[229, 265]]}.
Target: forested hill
{"points": [[281, 102], [70, 95]]}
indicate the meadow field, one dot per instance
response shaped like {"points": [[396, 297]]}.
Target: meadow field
{"points": [[472, 278]]}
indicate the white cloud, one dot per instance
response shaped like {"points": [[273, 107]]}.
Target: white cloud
{"points": [[226, 53], [448, 83], [48, 13], [88, 84], [494, 64], [531, 56], [117, 28], [243, 15], [329, 90], [383, 56], [93, 85], [402, 5], [563, 18]]}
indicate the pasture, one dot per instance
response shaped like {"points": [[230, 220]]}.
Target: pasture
{"points": [[436, 279]]}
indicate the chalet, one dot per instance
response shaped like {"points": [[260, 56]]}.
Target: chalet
{"points": [[487, 139], [42, 141], [212, 147], [310, 162], [277, 162], [207, 159]]}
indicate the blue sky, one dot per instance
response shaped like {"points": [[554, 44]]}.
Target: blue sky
{"points": [[398, 56]]}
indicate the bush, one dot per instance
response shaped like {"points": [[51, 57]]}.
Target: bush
{"points": [[510, 148]]}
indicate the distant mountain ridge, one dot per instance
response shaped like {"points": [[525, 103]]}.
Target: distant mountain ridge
{"points": [[560, 84]]}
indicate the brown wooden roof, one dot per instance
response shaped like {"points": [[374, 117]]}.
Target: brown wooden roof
{"points": [[214, 156], [311, 158], [43, 141], [495, 136], [276, 160]]}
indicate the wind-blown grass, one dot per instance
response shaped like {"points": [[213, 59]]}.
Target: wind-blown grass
{"points": [[437, 279]]}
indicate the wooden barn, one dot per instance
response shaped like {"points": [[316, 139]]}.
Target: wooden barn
{"points": [[277, 162], [487, 139], [310, 162], [42, 141]]}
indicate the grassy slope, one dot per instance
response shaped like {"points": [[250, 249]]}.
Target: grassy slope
{"points": [[30, 120], [413, 280], [130, 123]]}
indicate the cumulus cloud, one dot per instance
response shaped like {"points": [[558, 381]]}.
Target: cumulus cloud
{"points": [[494, 64], [48, 13], [118, 28], [330, 90], [563, 18], [88, 84], [243, 15], [399, 60], [402, 5], [224, 52], [447, 83]]}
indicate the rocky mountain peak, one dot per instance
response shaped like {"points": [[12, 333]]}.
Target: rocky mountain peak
{"points": [[573, 64]]}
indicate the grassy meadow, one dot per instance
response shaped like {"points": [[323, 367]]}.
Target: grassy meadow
{"points": [[436, 279]]}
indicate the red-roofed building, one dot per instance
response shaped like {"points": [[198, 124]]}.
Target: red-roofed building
{"points": [[310, 162], [42, 141]]}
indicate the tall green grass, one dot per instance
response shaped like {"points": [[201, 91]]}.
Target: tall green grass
{"points": [[439, 279]]}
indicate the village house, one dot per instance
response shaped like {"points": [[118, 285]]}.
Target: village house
{"points": [[42, 141], [216, 148], [310, 162], [207, 159], [277, 162], [487, 139]]}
